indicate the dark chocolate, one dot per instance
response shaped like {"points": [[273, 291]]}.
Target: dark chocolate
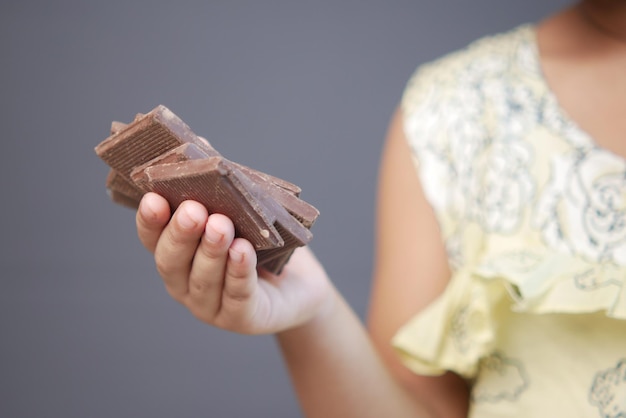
{"points": [[149, 136], [220, 189], [158, 152], [261, 177], [122, 199], [181, 153], [117, 186]]}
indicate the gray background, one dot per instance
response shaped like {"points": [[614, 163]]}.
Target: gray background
{"points": [[301, 90]]}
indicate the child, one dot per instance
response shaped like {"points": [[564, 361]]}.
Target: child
{"points": [[501, 243]]}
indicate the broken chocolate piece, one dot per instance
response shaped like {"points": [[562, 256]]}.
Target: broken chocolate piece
{"points": [[298, 208], [149, 136], [283, 194], [120, 185], [264, 178], [181, 153], [122, 199], [294, 233], [159, 152], [220, 189], [119, 189]]}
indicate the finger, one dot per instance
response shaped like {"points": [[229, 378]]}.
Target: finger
{"points": [[151, 218], [209, 265], [177, 245], [240, 283]]}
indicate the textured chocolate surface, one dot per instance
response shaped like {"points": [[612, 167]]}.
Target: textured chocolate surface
{"points": [[122, 191], [261, 177], [287, 197], [149, 136], [158, 152], [220, 189], [181, 153], [121, 186]]}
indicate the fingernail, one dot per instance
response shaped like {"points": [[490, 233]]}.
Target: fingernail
{"points": [[235, 255], [212, 235], [188, 219], [146, 209]]}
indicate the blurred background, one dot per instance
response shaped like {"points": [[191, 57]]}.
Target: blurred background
{"points": [[300, 90]]}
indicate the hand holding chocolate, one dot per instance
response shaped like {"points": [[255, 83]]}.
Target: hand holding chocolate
{"points": [[158, 152]]}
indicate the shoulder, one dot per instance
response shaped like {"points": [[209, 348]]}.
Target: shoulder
{"points": [[468, 69], [456, 108]]}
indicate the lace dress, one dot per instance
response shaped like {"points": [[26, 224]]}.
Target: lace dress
{"points": [[533, 215]]}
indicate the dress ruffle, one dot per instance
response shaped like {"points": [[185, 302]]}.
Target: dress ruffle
{"points": [[459, 329]]}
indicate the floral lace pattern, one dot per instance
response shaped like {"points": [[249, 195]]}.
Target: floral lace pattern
{"points": [[485, 161], [583, 209], [533, 216], [608, 391]]}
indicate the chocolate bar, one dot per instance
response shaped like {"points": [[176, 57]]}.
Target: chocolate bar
{"points": [[158, 152], [181, 153], [120, 190], [149, 136], [283, 192], [222, 188]]}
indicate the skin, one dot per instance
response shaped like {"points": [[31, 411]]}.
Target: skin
{"points": [[339, 366], [583, 57]]}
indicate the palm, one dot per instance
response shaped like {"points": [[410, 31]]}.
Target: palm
{"points": [[278, 302]]}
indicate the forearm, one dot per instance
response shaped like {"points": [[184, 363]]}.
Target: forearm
{"points": [[336, 371]]}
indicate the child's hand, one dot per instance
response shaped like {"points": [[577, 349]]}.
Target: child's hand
{"points": [[214, 274]]}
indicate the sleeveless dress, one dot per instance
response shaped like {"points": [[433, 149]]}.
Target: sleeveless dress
{"points": [[533, 216]]}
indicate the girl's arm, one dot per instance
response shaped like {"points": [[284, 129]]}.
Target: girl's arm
{"points": [[335, 366], [411, 270], [339, 370]]}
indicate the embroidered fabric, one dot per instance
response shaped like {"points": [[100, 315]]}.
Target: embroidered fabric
{"points": [[533, 215]]}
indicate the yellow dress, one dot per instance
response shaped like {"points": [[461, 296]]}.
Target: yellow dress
{"points": [[533, 215]]}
